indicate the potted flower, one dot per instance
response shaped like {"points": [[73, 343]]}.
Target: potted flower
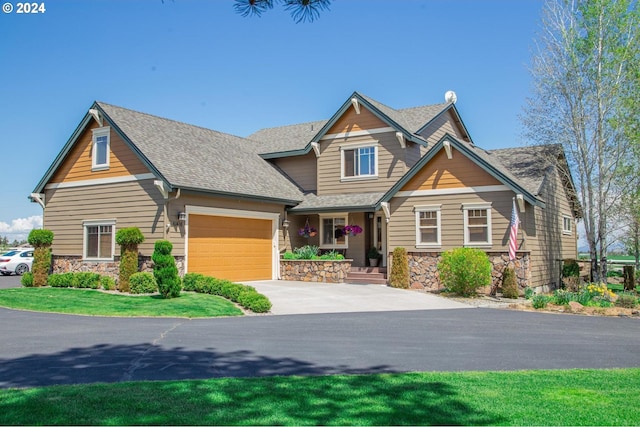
{"points": [[352, 230], [373, 256], [307, 231]]}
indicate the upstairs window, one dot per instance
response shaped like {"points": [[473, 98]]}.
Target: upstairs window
{"points": [[100, 149], [477, 224], [359, 161]]}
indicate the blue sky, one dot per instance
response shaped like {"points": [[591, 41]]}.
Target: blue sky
{"points": [[201, 63]]}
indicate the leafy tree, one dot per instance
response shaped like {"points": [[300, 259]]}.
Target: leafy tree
{"points": [[128, 239], [41, 241], [583, 74], [301, 10]]}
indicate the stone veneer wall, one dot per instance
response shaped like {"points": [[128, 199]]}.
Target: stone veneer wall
{"points": [[65, 264], [315, 271], [423, 270]]}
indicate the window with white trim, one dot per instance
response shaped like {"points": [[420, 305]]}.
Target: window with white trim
{"points": [[567, 228], [359, 161], [99, 241], [100, 149], [477, 224], [428, 226], [332, 231]]}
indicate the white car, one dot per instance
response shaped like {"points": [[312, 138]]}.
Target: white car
{"points": [[17, 261]]}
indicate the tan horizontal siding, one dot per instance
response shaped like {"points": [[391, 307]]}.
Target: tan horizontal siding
{"points": [[402, 227], [77, 164], [442, 125], [301, 169], [132, 204], [457, 172], [352, 122], [389, 168]]}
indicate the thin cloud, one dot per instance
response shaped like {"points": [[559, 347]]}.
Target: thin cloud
{"points": [[20, 226]]}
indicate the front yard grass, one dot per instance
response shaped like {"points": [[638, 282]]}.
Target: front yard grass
{"points": [[558, 397], [95, 303]]}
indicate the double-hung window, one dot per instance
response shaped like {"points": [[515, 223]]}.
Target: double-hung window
{"points": [[99, 242], [359, 161], [427, 226], [477, 224], [332, 231], [100, 149]]}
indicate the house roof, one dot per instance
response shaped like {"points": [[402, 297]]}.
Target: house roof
{"points": [[194, 158], [296, 139], [352, 202]]}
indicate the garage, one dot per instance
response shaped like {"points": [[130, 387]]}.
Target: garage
{"points": [[237, 248]]}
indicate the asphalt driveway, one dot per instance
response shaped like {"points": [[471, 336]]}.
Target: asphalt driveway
{"points": [[290, 297]]}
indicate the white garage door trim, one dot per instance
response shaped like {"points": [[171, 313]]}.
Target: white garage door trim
{"points": [[236, 213]]}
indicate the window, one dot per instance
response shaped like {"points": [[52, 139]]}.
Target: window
{"points": [[566, 224], [99, 240], [427, 226], [331, 232], [477, 224], [359, 161], [100, 149]]}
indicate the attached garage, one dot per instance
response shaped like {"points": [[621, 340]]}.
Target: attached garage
{"points": [[233, 245]]}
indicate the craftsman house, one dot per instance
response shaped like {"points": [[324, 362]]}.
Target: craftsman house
{"points": [[230, 205]]}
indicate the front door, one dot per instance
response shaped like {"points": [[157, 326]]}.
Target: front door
{"points": [[380, 235]]}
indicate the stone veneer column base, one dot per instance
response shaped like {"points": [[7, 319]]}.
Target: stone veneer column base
{"points": [[74, 264], [423, 270], [315, 271]]}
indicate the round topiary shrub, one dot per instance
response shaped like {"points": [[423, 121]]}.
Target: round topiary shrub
{"points": [[399, 269], [464, 270], [128, 239], [143, 283], [509, 284], [41, 241], [165, 270]]}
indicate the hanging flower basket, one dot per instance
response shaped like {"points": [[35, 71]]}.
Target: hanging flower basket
{"points": [[352, 230], [307, 231]]}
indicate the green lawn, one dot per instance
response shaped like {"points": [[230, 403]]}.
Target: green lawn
{"points": [[91, 302], [562, 397]]}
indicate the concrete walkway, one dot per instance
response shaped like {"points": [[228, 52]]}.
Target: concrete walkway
{"points": [[290, 297]]}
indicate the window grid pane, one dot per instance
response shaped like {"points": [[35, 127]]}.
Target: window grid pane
{"points": [[478, 225], [428, 227], [101, 150]]}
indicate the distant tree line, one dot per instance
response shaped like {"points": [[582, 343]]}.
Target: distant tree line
{"points": [[5, 243]]}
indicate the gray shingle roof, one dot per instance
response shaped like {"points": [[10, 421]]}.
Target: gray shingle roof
{"points": [[334, 202], [196, 158], [296, 137]]}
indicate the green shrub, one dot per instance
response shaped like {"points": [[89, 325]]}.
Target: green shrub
{"points": [[190, 281], [27, 279], [627, 300], [41, 241], [232, 291], [464, 270], [331, 255], [60, 280], [128, 239], [528, 292], [288, 255], [509, 284], [107, 283], [399, 277], [570, 268], [143, 283], [165, 270], [86, 280], [306, 252], [562, 297], [254, 301], [539, 301]]}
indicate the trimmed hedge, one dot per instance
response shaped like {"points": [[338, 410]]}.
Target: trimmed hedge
{"points": [[107, 283], [128, 239], [400, 275], [86, 280], [41, 241], [245, 296], [27, 280], [464, 270], [143, 283]]}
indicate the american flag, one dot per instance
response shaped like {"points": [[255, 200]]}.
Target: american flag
{"points": [[513, 232]]}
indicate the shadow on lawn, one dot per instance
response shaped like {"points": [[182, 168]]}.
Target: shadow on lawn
{"points": [[267, 400]]}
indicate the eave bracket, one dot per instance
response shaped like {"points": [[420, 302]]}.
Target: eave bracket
{"points": [[401, 139], [316, 148], [356, 105], [37, 198]]}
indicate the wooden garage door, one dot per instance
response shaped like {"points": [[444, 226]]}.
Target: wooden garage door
{"points": [[230, 248]]}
